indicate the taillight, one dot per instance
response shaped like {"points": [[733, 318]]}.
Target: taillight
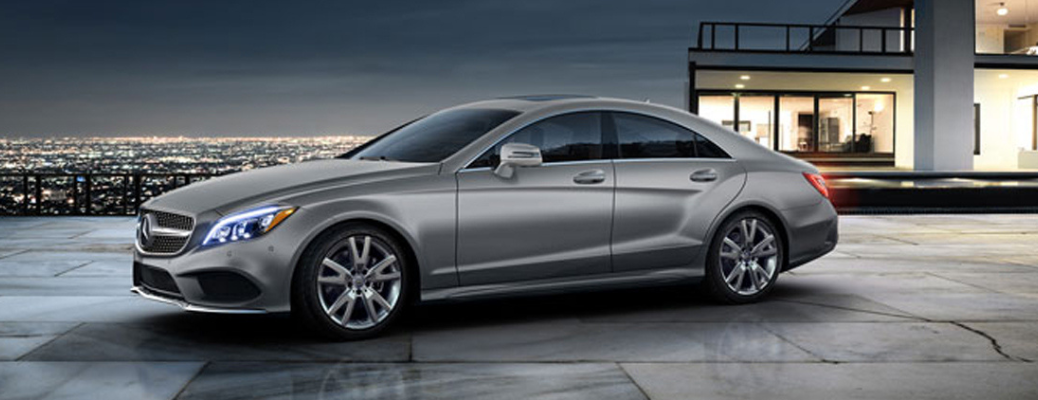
{"points": [[818, 182]]}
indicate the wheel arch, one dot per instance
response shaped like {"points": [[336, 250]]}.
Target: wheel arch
{"points": [[772, 214], [414, 281]]}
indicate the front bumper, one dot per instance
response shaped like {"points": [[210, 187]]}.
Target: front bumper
{"points": [[165, 298], [251, 276]]}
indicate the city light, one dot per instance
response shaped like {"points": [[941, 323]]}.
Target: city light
{"points": [[112, 161]]}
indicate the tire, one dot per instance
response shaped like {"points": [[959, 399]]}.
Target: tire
{"points": [[333, 300], [759, 270]]}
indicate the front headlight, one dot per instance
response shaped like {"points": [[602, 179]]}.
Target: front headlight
{"points": [[246, 225]]}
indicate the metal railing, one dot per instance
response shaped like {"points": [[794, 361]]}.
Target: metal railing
{"points": [[63, 194], [802, 38]]}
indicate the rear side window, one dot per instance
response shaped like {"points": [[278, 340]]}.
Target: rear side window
{"points": [[640, 136], [568, 137], [707, 149]]}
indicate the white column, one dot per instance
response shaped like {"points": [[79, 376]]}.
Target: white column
{"points": [[944, 57]]}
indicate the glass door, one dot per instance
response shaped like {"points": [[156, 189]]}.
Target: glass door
{"points": [[718, 108], [796, 123], [757, 117], [875, 120], [835, 123]]}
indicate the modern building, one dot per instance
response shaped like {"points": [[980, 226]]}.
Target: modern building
{"points": [[945, 85]]}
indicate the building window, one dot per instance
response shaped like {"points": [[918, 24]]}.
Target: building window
{"points": [[875, 123], [807, 122], [718, 108], [1014, 31], [796, 124], [757, 117], [835, 124]]}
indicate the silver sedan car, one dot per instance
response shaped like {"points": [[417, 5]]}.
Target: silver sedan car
{"points": [[504, 197]]}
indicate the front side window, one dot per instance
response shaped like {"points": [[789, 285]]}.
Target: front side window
{"points": [[435, 137], [569, 137]]}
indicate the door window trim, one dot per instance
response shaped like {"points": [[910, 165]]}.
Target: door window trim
{"points": [[672, 159], [602, 115]]}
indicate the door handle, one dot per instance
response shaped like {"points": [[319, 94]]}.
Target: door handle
{"points": [[590, 177], [704, 175]]}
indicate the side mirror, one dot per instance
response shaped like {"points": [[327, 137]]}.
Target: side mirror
{"points": [[517, 155]]}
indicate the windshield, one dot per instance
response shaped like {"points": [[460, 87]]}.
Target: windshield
{"points": [[433, 138]]}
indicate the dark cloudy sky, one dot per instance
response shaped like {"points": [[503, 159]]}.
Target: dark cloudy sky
{"points": [[252, 67]]}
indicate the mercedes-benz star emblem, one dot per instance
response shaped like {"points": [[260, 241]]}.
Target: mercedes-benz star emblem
{"points": [[144, 232]]}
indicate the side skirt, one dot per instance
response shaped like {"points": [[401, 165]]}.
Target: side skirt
{"points": [[565, 285]]}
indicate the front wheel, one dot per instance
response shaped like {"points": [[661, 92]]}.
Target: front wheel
{"points": [[745, 259], [351, 283]]}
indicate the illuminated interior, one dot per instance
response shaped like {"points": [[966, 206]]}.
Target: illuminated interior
{"points": [[1007, 27], [854, 115]]}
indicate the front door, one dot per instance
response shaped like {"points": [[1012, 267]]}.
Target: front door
{"points": [[544, 222]]}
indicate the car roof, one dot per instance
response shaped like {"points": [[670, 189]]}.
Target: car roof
{"points": [[531, 103]]}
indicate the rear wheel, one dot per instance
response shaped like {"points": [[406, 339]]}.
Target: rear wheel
{"points": [[745, 258], [351, 283]]}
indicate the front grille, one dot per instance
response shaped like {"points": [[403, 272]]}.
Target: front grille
{"points": [[166, 242], [155, 279], [173, 221]]}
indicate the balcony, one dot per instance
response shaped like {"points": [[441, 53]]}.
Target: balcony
{"points": [[749, 46], [800, 38]]}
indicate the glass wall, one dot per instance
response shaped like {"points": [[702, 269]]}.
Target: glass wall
{"points": [[835, 119], [839, 123], [875, 130], [757, 117], [718, 108], [796, 123]]}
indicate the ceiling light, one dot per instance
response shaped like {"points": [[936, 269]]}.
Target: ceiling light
{"points": [[885, 80], [1003, 76], [739, 86], [745, 77], [865, 88], [1002, 10]]}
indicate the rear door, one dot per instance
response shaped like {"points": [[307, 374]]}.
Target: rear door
{"points": [[545, 222], [670, 184]]}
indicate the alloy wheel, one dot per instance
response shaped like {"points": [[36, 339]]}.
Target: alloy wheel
{"points": [[359, 282], [749, 256]]}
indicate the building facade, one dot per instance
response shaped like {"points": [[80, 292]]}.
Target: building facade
{"points": [[927, 85]]}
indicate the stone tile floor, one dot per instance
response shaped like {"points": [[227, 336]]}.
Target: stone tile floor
{"points": [[935, 306]]}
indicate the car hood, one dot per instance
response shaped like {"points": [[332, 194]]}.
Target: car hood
{"points": [[228, 193]]}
